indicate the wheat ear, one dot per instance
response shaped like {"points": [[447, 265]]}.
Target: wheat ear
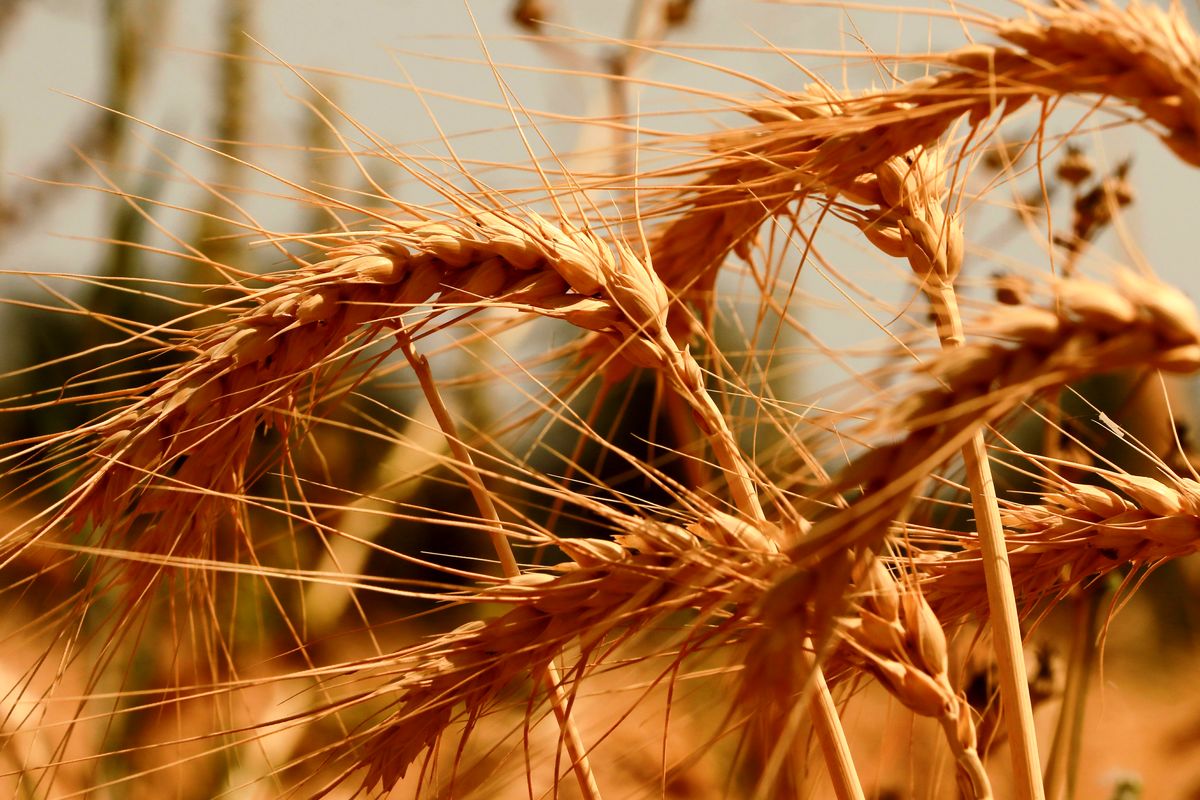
{"points": [[1087, 328], [1076, 534], [1090, 329], [824, 143], [654, 569], [894, 635], [192, 430]]}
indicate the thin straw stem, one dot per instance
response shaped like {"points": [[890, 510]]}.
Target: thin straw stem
{"points": [[1062, 766], [487, 509], [832, 739], [550, 678], [1002, 601]]}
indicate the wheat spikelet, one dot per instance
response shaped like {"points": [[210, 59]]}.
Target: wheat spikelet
{"points": [[1088, 328], [894, 635], [1076, 534]]}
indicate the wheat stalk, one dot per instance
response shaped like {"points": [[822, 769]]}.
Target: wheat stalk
{"points": [[910, 222]]}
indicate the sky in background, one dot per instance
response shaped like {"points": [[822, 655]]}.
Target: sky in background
{"points": [[52, 49]]}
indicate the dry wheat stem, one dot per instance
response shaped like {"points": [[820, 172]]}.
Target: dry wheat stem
{"points": [[1005, 624], [1062, 763], [479, 491], [831, 737]]}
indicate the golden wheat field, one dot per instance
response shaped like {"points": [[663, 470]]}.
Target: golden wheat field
{"points": [[656, 399]]}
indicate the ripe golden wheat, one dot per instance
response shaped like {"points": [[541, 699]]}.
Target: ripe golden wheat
{"points": [[765, 564]]}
